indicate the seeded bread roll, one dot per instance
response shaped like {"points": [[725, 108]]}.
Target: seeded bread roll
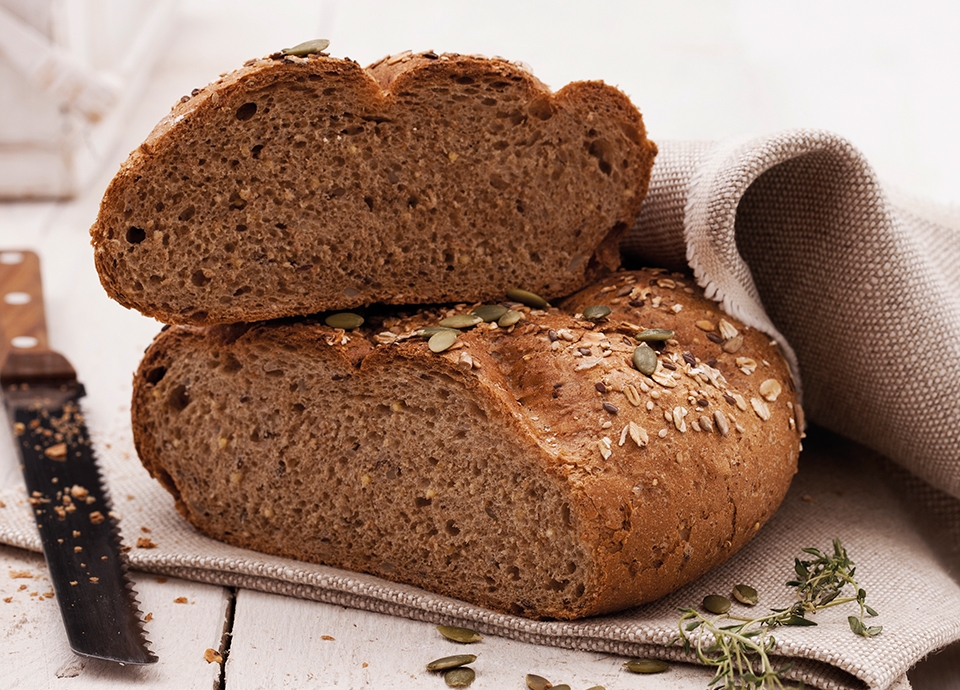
{"points": [[302, 184], [530, 469]]}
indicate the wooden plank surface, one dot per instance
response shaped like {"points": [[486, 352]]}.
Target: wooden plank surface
{"points": [[279, 642], [34, 651]]}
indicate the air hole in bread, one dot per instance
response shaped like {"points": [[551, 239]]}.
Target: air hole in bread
{"points": [[231, 364], [241, 227], [237, 201], [187, 213], [601, 150], [178, 399], [199, 278], [136, 235], [255, 150], [246, 111], [498, 182], [541, 108], [156, 375]]}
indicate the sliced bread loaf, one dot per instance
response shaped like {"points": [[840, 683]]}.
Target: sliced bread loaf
{"points": [[530, 468], [302, 184]]}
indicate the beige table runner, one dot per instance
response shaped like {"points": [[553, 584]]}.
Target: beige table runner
{"points": [[860, 288]]}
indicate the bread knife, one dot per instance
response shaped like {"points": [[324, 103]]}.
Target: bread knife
{"points": [[78, 529]]}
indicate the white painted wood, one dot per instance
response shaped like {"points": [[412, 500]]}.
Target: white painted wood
{"points": [[279, 642], [34, 651]]}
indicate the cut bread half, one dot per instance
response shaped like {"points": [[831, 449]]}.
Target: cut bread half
{"points": [[530, 468], [302, 184]]}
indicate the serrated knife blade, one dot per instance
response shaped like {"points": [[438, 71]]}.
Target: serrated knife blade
{"points": [[78, 529]]}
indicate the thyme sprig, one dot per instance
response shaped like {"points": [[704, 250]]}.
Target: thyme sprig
{"points": [[739, 647]]}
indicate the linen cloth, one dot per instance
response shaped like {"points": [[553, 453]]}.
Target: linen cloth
{"points": [[794, 234]]}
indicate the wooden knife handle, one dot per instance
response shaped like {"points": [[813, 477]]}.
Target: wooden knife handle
{"points": [[21, 300]]}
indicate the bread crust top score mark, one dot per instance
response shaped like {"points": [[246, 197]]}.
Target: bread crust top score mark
{"points": [[302, 184]]}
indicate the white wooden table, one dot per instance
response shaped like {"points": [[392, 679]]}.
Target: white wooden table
{"points": [[704, 70]]}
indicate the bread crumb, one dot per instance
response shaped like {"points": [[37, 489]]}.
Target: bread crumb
{"points": [[161, 580], [21, 574], [212, 656], [8, 600], [148, 617], [96, 517], [145, 529], [146, 543], [180, 600], [327, 637]]}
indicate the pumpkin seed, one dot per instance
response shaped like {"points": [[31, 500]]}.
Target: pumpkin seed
{"points": [[535, 682], [746, 594], [645, 359], [462, 635], [444, 340], [531, 299], [448, 662], [714, 603], [459, 677], [596, 312], [654, 334], [307, 48], [510, 318], [490, 312], [433, 330], [345, 319], [646, 666], [461, 321]]}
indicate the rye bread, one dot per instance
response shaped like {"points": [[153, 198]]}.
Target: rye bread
{"points": [[302, 184], [530, 469]]}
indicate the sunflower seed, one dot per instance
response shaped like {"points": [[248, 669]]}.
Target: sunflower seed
{"points": [[746, 595], [459, 677], [448, 662], [654, 334], [490, 312], [442, 341], [535, 682], [345, 319], [770, 390], [462, 635], [461, 321], [530, 299], [646, 666], [562, 686], [645, 359], [597, 687], [715, 603], [596, 312], [727, 329], [510, 318], [307, 48]]}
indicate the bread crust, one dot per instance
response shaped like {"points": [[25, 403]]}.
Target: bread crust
{"points": [[297, 185], [529, 469]]}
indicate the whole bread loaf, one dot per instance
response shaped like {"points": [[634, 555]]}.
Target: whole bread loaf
{"points": [[302, 184], [530, 468]]}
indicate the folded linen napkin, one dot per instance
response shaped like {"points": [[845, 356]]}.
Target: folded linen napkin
{"points": [[794, 235]]}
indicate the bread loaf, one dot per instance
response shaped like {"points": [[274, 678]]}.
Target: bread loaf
{"points": [[529, 468], [302, 184]]}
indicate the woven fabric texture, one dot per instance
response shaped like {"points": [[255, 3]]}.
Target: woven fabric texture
{"points": [[794, 234]]}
